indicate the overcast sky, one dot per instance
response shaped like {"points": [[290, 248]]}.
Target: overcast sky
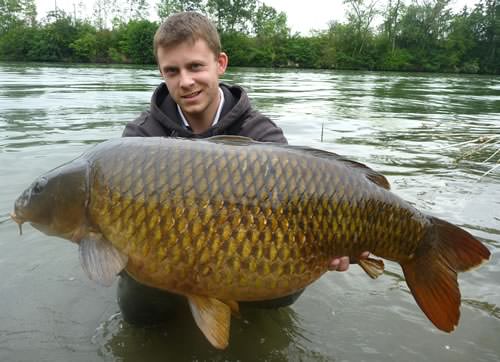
{"points": [[302, 15]]}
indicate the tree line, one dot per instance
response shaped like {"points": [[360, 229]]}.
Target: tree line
{"points": [[401, 35]]}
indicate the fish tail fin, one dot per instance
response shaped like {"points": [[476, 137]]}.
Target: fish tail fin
{"points": [[431, 273]]}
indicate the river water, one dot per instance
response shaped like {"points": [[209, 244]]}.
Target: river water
{"points": [[410, 127]]}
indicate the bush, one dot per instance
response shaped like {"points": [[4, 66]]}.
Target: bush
{"points": [[18, 43], [85, 47], [137, 41]]}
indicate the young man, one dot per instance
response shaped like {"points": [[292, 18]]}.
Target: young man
{"points": [[192, 103]]}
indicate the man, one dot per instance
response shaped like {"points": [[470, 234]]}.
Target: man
{"points": [[192, 103]]}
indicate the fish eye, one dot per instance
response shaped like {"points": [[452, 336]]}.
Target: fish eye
{"points": [[39, 185]]}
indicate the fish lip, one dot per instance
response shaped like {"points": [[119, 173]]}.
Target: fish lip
{"points": [[18, 220]]}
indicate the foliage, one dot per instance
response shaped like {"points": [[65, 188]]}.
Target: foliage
{"points": [[137, 41], [231, 15], [414, 35], [16, 12], [54, 39], [168, 7]]}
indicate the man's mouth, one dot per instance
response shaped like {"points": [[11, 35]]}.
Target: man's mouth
{"points": [[191, 95]]}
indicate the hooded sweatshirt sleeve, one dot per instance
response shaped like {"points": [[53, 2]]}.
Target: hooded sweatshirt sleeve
{"points": [[145, 126], [240, 118], [136, 128], [261, 128]]}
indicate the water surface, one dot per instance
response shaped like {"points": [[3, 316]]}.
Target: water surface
{"points": [[407, 126]]}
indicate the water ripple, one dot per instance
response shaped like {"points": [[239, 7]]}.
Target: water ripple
{"points": [[410, 127]]}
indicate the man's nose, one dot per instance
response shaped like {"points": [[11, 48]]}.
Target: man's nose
{"points": [[186, 79]]}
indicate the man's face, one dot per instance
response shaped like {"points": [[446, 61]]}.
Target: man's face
{"points": [[191, 73]]}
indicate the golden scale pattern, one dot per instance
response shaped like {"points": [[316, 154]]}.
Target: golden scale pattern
{"points": [[240, 222]]}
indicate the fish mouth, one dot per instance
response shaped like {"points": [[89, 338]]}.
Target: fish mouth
{"points": [[18, 221]]}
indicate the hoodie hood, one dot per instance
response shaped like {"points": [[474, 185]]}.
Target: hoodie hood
{"points": [[164, 111]]}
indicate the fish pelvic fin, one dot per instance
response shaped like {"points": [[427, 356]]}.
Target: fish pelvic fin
{"points": [[431, 274], [213, 317], [234, 306], [373, 267], [100, 260]]}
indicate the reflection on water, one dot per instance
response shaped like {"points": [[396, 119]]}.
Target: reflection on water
{"points": [[257, 335], [411, 127]]}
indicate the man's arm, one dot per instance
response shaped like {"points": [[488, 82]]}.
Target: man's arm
{"points": [[136, 127], [260, 128], [145, 126]]}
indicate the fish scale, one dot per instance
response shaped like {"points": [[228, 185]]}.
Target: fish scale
{"points": [[227, 219]]}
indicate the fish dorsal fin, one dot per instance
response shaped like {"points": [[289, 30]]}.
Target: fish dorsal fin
{"points": [[372, 175], [373, 267], [213, 317], [232, 140], [100, 260]]}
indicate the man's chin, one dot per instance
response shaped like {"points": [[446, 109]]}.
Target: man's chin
{"points": [[195, 110]]}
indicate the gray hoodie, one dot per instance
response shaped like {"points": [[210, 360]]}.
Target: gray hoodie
{"points": [[237, 118]]}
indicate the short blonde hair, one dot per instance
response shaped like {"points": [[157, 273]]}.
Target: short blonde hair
{"points": [[188, 26]]}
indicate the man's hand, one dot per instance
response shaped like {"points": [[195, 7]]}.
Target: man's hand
{"points": [[342, 263]]}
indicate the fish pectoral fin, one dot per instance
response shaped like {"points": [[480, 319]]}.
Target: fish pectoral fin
{"points": [[100, 260], [213, 317], [373, 267]]}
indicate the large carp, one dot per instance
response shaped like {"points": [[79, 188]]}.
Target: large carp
{"points": [[227, 219]]}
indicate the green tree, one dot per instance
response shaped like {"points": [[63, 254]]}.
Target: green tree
{"points": [[165, 8], [460, 44], [269, 23], [137, 9], [122, 11], [423, 33], [15, 12], [85, 45], [391, 21], [241, 49], [108, 48], [137, 42], [305, 52], [232, 15], [272, 34], [360, 16], [491, 35], [106, 12], [18, 43], [54, 38]]}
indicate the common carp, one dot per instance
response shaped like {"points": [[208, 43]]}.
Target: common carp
{"points": [[227, 219]]}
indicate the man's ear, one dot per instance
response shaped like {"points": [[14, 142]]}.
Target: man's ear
{"points": [[222, 61]]}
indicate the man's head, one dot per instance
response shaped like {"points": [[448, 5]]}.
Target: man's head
{"points": [[187, 49], [187, 27]]}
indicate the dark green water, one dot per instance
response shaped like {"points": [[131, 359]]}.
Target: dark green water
{"points": [[408, 126]]}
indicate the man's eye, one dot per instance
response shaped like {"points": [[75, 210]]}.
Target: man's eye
{"points": [[170, 72], [196, 66]]}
